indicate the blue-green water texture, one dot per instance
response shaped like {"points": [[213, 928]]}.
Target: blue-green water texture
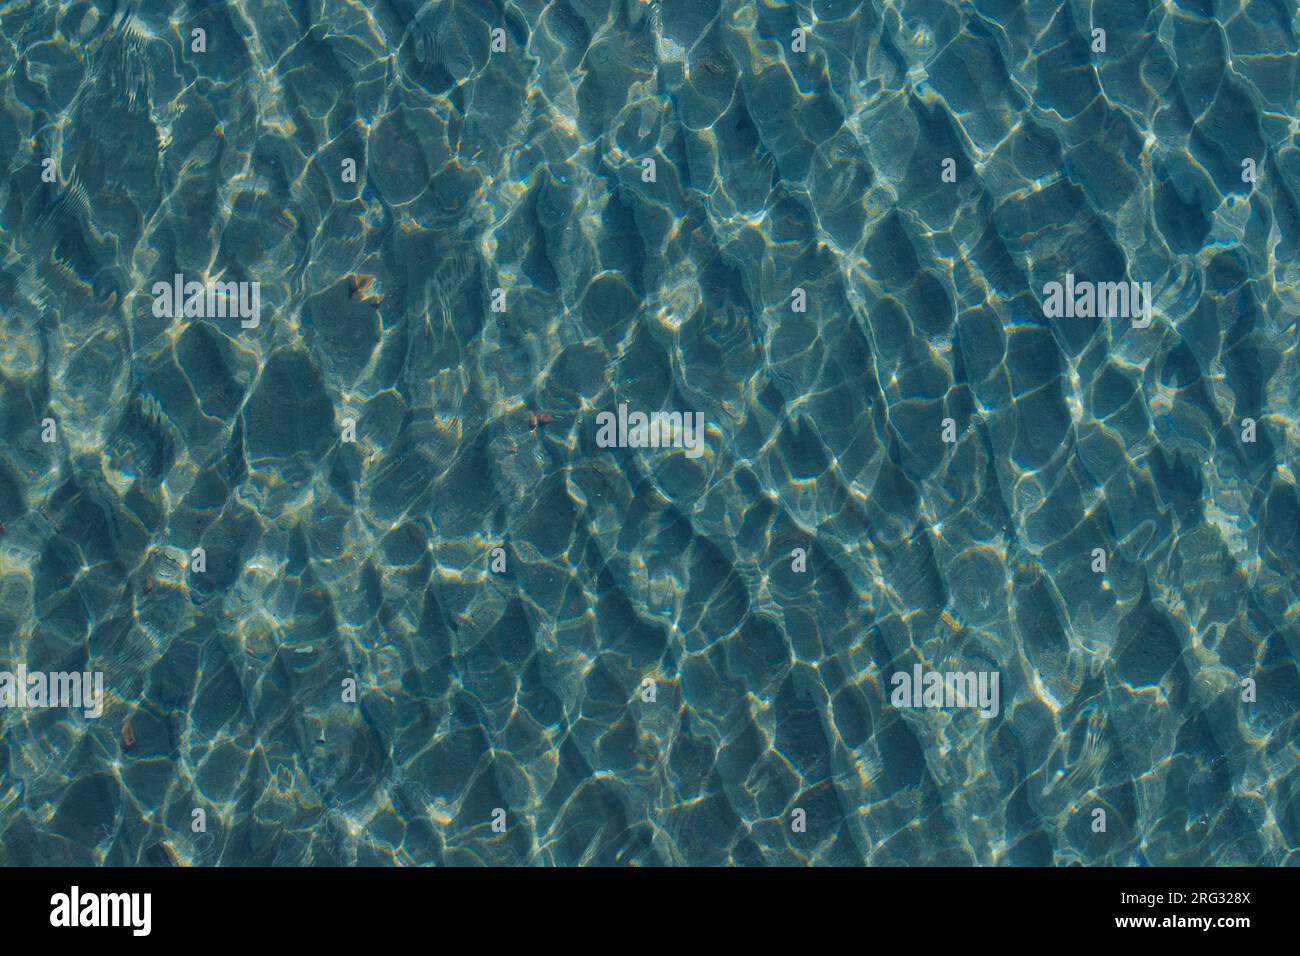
{"points": [[648, 672]]}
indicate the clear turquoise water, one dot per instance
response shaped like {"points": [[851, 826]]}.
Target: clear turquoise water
{"points": [[521, 170]]}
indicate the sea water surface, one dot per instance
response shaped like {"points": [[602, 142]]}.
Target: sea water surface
{"points": [[654, 676]]}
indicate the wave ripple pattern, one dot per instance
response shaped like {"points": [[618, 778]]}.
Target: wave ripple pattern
{"points": [[1163, 691]]}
